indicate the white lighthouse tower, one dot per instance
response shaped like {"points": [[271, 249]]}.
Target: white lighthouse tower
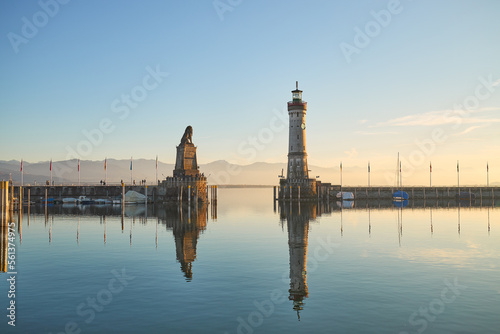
{"points": [[297, 183], [297, 154]]}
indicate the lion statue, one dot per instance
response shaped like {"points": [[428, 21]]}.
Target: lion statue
{"points": [[187, 138]]}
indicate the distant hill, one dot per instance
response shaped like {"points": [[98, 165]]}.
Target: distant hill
{"points": [[218, 172]]}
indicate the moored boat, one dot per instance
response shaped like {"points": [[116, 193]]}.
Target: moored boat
{"points": [[346, 196], [84, 200]]}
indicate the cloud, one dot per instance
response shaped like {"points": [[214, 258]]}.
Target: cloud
{"points": [[353, 153], [469, 129], [375, 133], [441, 117], [363, 121], [496, 83]]}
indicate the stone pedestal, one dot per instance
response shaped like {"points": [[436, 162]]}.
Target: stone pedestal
{"points": [[186, 163]]}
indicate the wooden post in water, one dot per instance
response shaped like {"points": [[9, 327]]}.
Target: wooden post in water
{"points": [[46, 206], [29, 205], [424, 193], [146, 192], [274, 193], [2, 195], [12, 197], [298, 189]]}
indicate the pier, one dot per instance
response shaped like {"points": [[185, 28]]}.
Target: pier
{"points": [[327, 192], [11, 195]]}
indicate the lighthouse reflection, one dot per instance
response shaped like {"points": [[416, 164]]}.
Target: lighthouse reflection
{"points": [[186, 225], [297, 217]]}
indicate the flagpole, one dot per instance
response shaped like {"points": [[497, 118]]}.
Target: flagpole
{"points": [[78, 172], [105, 171], [368, 174], [157, 169], [458, 177], [22, 173], [400, 175], [487, 174], [397, 172], [430, 174], [341, 180], [131, 170], [50, 171]]}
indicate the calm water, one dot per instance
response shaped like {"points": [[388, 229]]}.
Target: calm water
{"points": [[249, 269]]}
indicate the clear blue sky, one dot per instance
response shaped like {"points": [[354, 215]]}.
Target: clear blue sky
{"points": [[228, 77]]}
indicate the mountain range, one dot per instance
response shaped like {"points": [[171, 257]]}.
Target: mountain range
{"points": [[218, 172], [92, 172]]}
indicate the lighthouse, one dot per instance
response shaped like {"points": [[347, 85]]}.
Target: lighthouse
{"points": [[297, 154], [297, 184]]}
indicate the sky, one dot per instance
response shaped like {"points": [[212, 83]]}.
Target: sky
{"points": [[96, 79]]}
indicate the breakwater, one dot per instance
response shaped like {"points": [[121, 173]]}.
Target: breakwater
{"points": [[327, 192], [182, 191], [424, 192]]}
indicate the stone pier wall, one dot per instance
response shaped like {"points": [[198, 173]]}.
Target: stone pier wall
{"points": [[175, 189]]}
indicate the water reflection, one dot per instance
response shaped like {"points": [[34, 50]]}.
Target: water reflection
{"points": [[186, 225], [297, 217], [3, 241]]}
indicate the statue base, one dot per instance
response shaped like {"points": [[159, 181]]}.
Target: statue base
{"points": [[186, 163]]}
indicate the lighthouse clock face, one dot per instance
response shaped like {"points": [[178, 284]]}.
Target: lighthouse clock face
{"points": [[303, 126]]}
